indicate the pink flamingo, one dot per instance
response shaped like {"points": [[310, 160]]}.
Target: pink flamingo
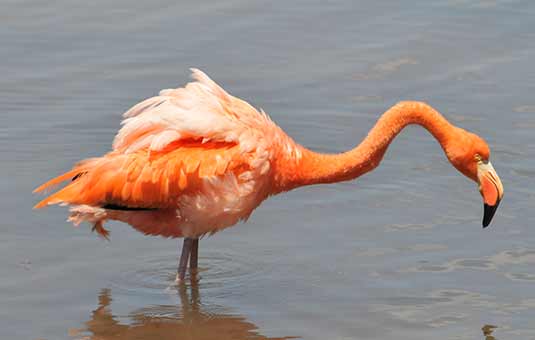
{"points": [[195, 160]]}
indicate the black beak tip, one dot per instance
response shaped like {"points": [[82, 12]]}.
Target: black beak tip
{"points": [[488, 213]]}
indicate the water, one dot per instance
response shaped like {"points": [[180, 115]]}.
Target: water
{"points": [[399, 253]]}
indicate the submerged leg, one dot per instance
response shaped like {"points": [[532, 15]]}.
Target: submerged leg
{"points": [[194, 256], [184, 257]]}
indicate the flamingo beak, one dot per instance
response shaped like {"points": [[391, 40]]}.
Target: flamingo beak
{"points": [[491, 189]]}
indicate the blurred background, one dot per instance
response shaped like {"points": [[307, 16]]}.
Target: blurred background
{"points": [[397, 253]]}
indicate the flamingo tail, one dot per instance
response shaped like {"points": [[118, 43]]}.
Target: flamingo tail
{"points": [[70, 191]]}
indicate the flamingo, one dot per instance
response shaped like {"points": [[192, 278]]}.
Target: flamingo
{"points": [[195, 160]]}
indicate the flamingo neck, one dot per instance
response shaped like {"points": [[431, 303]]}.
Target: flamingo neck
{"points": [[315, 168]]}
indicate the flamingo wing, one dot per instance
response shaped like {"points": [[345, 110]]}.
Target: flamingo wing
{"points": [[201, 110], [167, 145]]}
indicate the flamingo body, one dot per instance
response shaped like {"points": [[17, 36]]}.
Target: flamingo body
{"points": [[192, 161]]}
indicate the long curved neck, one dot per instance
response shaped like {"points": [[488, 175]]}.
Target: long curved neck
{"points": [[314, 168]]}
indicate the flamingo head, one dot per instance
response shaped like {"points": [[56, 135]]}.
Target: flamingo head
{"points": [[470, 154]]}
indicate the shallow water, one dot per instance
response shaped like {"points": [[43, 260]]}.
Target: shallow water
{"points": [[397, 253]]}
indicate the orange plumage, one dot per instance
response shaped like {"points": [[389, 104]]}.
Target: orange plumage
{"points": [[144, 180]]}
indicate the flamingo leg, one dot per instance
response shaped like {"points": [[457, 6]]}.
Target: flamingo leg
{"points": [[194, 255], [184, 257]]}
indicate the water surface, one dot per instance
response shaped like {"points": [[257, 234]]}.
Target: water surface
{"points": [[399, 253]]}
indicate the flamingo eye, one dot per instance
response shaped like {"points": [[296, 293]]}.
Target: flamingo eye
{"points": [[480, 160]]}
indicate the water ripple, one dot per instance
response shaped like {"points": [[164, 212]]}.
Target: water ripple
{"points": [[500, 263], [218, 272]]}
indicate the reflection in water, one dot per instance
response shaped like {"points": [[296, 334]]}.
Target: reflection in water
{"points": [[487, 332], [187, 321]]}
